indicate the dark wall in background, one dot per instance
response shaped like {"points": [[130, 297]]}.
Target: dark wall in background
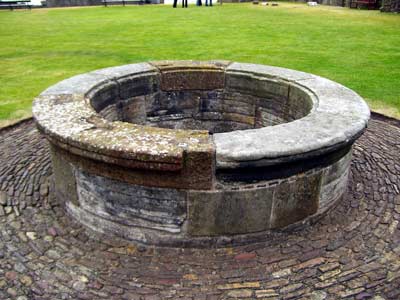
{"points": [[390, 6]]}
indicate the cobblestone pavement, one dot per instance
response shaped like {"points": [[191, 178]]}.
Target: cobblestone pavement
{"points": [[352, 253]]}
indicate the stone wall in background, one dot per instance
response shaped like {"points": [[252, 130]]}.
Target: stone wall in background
{"points": [[63, 3], [328, 2], [334, 2], [390, 6], [345, 3]]}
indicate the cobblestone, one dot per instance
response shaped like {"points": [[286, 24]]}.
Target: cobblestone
{"points": [[354, 249]]}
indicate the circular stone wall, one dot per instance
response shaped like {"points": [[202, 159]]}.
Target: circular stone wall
{"points": [[185, 153]]}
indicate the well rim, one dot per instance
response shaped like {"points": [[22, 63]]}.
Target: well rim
{"points": [[64, 113]]}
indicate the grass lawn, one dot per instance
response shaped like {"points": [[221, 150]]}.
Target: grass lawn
{"points": [[358, 48]]}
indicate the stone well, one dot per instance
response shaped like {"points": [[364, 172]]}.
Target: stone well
{"points": [[186, 153]]}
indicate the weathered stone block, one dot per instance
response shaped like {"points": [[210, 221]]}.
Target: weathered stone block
{"points": [[199, 170], [192, 80], [334, 181], [191, 75], [228, 103], [133, 110], [264, 117], [229, 212], [186, 101], [256, 86], [300, 102], [111, 113], [64, 177], [239, 104], [138, 85], [239, 118], [295, 200], [133, 205], [104, 95]]}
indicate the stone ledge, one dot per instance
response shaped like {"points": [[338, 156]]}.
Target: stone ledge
{"points": [[338, 118]]}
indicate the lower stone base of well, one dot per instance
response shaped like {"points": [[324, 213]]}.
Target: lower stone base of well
{"points": [[230, 214], [154, 237]]}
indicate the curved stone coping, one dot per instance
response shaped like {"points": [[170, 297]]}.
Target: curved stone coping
{"points": [[64, 113], [338, 118]]}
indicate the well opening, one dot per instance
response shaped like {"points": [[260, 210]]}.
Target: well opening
{"points": [[216, 110]]}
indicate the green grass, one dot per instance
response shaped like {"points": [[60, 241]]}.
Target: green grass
{"points": [[360, 49]]}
